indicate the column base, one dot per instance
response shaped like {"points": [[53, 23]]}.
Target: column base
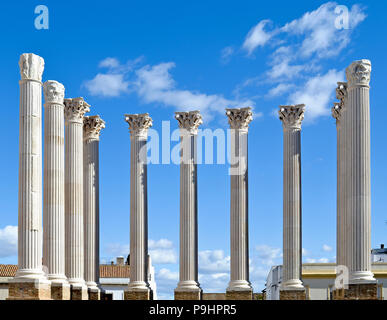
{"points": [[188, 295], [94, 294], [79, 293], [364, 291], [60, 291], [239, 295], [293, 294], [137, 295], [29, 290]]}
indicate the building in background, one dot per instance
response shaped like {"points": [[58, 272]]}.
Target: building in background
{"points": [[379, 255], [319, 279], [114, 278]]}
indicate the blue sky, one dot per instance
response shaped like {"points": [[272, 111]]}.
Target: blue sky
{"points": [[160, 57]]}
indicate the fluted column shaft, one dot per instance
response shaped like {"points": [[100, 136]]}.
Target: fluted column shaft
{"points": [[188, 272], [75, 109], [138, 125], [292, 235], [358, 175], [239, 239], [92, 127], [53, 204], [30, 169]]}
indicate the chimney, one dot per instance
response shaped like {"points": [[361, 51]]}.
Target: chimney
{"points": [[382, 246], [120, 261]]}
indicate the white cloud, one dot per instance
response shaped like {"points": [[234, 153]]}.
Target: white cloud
{"points": [[154, 84], [256, 37], [8, 241], [160, 244], [317, 94], [211, 261], [268, 255], [326, 248], [280, 89], [163, 256], [107, 85], [226, 54], [321, 36], [109, 63]]}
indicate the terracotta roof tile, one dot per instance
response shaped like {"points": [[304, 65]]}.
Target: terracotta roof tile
{"points": [[113, 271], [105, 270], [8, 270]]}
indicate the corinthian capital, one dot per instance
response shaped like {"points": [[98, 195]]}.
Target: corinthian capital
{"points": [[53, 92], [359, 73], [341, 91], [75, 109], [239, 118], [31, 67], [92, 126], [189, 121], [139, 124], [292, 116], [337, 110]]}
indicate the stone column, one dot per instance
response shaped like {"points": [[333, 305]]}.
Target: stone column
{"points": [[338, 111], [188, 287], [239, 287], [53, 193], [74, 112], [30, 282], [291, 286], [138, 288], [92, 128], [362, 284]]}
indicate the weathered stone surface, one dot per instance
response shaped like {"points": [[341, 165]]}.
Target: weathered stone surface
{"points": [[94, 294], [29, 291], [60, 291], [79, 293], [137, 295], [188, 295], [362, 291], [292, 295], [239, 295]]}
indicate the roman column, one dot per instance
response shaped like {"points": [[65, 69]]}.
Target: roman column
{"points": [[239, 287], [53, 192], [30, 282], [338, 112], [92, 128], [138, 288], [358, 181], [74, 112], [291, 287], [188, 287]]}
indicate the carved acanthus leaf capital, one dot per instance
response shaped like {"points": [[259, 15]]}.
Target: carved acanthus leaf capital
{"points": [[53, 92], [75, 109], [341, 91], [359, 73], [92, 126], [139, 124], [337, 110], [31, 67], [239, 118], [292, 116], [189, 121]]}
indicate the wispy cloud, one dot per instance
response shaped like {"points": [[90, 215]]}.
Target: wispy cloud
{"points": [[257, 37], [8, 241]]}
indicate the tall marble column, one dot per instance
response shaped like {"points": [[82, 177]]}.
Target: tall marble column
{"points": [[188, 287], [338, 113], [53, 192], [92, 128], [291, 286], [358, 179], [74, 112], [138, 288], [30, 282], [239, 287]]}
